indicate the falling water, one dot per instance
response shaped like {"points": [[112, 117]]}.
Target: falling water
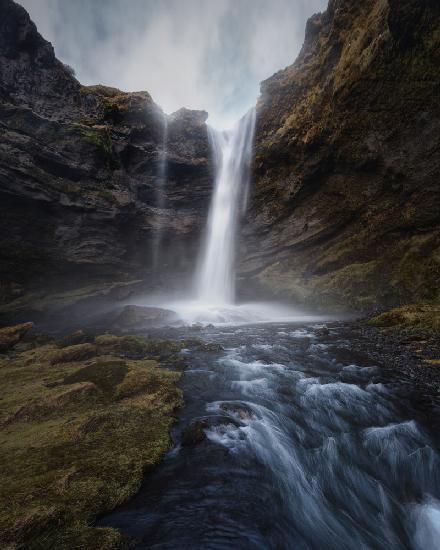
{"points": [[213, 296], [232, 155], [160, 194]]}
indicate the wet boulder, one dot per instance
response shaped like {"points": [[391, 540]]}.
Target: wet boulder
{"points": [[146, 317], [239, 410], [194, 433]]}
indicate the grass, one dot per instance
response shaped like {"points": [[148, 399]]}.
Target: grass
{"points": [[80, 424], [416, 316]]}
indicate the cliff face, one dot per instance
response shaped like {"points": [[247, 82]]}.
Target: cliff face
{"points": [[346, 205], [84, 194]]}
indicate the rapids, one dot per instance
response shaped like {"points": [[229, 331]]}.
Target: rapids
{"points": [[308, 446]]}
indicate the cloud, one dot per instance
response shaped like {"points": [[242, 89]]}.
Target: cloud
{"points": [[200, 54]]}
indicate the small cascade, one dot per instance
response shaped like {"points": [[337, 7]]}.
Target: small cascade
{"points": [[232, 156], [160, 195]]}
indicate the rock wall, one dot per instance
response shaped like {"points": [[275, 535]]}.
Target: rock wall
{"points": [[82, 193], [346, 205]]}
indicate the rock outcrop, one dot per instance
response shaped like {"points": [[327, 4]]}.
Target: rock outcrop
{"points": [[346, 204], [83, 194]]}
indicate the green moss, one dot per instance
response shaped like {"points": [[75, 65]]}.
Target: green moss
{"points": [[100, 137], [77, 437], [99, 89], [10, 336], [419, 316]]}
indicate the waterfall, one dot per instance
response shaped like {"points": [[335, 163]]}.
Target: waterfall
{"points": [[232, 152], [160, 194]]}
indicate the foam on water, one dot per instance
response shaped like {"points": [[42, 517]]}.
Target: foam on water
{"points": [[427, 520]]}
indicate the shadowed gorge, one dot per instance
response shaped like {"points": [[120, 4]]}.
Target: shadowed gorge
{"points": [[217, 335]]}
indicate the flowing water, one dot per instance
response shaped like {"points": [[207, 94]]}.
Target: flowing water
{"points": [[232, 156], [308, 446], [289, 438]]}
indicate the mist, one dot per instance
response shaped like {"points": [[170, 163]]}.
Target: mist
{"points": [[198, 54]]}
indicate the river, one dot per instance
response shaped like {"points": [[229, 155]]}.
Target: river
{"points": [[308, 446]]}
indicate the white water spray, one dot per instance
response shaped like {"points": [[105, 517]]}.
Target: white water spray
{"points": [[232, 155]]}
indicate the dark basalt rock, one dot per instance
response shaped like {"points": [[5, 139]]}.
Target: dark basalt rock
{"points": [[195, 433], [347, 164], [81, 194]]}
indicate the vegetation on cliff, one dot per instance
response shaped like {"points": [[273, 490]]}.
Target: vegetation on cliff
{"points": [[345, 207]]}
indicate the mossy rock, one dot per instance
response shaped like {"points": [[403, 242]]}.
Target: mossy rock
{"points": [[10, 336], [77, 337], [105, 373], [417, 316], [70, 354], [136, 346]]}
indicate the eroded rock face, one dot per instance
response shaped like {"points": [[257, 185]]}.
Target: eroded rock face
{"points": [[346, 194], [82, 192]]}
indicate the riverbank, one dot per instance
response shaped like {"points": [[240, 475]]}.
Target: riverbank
{"points": [[405, 343], [82, 419]]}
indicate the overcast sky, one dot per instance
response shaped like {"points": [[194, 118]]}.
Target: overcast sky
{"points": [[200, 54]]}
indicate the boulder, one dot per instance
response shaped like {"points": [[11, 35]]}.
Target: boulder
{"points": [[133, 316], [71, 354], [9, 336]]}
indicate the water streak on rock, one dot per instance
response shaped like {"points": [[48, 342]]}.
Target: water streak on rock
{"points": [[160, 194]]}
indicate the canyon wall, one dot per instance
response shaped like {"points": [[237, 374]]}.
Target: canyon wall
{"points": [[84, 196], [346, 203]]}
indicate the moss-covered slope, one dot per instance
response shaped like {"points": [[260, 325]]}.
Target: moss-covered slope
{"points": [[80, 422]]}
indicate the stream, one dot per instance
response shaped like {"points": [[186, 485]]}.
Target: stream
{"points": [[307, 446]]}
